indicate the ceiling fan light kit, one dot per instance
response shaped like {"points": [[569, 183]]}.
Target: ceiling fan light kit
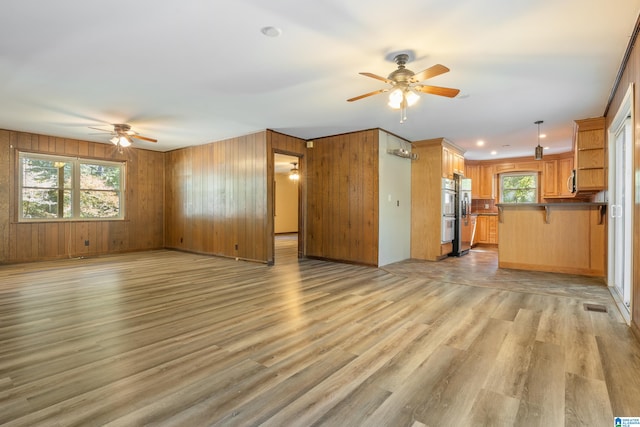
{"points": [[123, 136], [404, 89], [122, 141]]}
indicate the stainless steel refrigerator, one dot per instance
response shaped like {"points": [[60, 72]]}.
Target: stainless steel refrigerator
{"points": [[464, 225]]}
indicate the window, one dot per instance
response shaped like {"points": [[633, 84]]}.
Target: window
{"points": [[58, 188], [519, 187]]}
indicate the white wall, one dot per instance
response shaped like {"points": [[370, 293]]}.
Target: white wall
{"points": [[395, 202], [286, 209]]}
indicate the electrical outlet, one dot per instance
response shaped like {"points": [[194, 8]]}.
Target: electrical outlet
{"points": [[236, 246], [86, 243], [486, 205]]}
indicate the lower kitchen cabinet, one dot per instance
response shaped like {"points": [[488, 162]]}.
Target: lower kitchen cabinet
{"points": [[482, 234], [493, 230], [487, 229]]}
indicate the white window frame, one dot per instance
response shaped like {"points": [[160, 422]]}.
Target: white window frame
{"points": [[524, 173], [75, 186]]}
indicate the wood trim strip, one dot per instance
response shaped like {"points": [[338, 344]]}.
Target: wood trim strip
{"points": [[551, 269], [623, 65]]}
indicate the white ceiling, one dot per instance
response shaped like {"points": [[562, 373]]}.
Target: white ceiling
{"points": [[194, 71]]}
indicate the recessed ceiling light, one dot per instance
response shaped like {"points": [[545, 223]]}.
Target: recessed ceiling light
{"points": [[494, 152], [546, 148], [271, 31], [480, 143], [543, 135]]}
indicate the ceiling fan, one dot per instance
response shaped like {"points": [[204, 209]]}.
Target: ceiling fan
{"points": [[405, 85], [123, 135]]}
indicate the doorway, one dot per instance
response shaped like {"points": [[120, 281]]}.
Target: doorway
{"points": [[288, 222], [620, 192]]}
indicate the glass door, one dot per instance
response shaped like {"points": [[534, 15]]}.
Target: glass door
{"points": [[620, 206]]}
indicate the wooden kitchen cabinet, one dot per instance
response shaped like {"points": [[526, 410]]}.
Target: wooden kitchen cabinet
{"points": [[452, 160], [473, 172], [590, 152], [555, 178], [447, 163], [436, 159], [458, 163], [550, 178], [565, 170], [485, 190], [481, 180], [493, 230], [482, 229], [487, 229]]}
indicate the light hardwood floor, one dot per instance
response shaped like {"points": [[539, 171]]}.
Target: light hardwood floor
{"points": [[171, 338]]}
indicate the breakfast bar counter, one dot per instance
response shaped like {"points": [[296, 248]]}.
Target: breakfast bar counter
{"points": [[554, 237]]}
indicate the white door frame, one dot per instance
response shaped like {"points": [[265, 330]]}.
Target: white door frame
{"points": [[620, 207]]}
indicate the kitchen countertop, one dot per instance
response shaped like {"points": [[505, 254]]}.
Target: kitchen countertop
{"points": [[556, 204], [548, 207]]}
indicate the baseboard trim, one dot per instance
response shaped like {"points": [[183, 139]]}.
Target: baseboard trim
{"points": [[552, 269]]}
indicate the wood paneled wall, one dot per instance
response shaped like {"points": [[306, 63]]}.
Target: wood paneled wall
{"points": [[217, 199], [342, 197], [631, 74], [34, 241]]}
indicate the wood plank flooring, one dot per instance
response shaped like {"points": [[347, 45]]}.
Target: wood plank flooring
{"points": [[177, 339]]}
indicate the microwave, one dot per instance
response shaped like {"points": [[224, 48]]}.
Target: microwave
{"points": [[571, 182]]}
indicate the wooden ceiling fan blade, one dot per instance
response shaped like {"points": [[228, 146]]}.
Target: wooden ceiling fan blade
{"points": [[438, 90], [101, 130], [375, 92], [144, 138], [377, 77], [433, 71]]}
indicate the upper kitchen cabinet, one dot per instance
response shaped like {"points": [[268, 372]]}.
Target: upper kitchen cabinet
{"points": [[589, 151], [472, 171], [452, 158], [481, 180], [556, 175], [486, 183]]}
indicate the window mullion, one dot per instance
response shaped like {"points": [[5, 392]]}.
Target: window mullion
{"points": [[75, 189], [61, 191]]}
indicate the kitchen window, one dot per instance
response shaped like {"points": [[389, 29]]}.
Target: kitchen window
{"points": [[519, 187], [54, 188]]}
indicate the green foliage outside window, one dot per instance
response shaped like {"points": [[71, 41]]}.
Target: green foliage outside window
{"points": [[46, 188], [519, 188], [99, 191], [61, 188]]}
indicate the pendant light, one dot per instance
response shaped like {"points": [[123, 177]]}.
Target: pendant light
{"points": [[294, 174], [538, 155]]}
